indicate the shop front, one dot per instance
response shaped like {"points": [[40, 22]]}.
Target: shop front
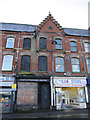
{"points": [[88, 86], [72, 90], [7, 96], [33, 93]]}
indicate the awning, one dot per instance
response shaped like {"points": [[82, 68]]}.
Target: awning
{"points": [[88, 81]]}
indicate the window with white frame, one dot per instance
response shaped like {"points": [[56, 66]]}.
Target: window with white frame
{"points": [[73, 46], [59, 64], [75, 65], [87, 47], [88, 64], [7, 63], [10, 43], [59, 44]]}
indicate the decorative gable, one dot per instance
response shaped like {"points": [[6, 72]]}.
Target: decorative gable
{"points": [[49, 24]]}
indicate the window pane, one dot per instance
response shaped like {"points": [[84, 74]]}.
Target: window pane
{"points": [[25, 63], [27, 43], [73, 49], [72, 43], [88, 64], [75, 61], [88, 61], [42, 63], [75, 68], [75, 65], [73, 46], [59, 68], [59, 44], [59, 64], [87, 47], [10, 43], [7, 62], [42, 43], [85, 44]]}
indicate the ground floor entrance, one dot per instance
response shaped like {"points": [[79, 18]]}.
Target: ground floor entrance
{"points": [[73, 97], [33, 94], [69, 91]]}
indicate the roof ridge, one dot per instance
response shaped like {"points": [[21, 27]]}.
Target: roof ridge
{"points": [[18, 24]]}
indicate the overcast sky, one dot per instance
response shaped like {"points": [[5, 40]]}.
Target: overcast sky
{"points": [[68, 13]]}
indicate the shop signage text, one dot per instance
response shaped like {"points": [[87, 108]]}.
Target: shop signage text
{"points": [[70, 82]]}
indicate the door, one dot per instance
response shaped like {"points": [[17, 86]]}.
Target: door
{"points": [[44, 96]]}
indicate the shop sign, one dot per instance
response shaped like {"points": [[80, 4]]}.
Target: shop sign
{"points": [[6, 83], [70, 82], [13, 87], [34, 80]]}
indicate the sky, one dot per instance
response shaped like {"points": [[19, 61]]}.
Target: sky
{"points": [[68, 13]]}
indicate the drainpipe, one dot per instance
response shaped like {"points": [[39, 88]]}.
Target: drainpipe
{"points": [[83, 56], [86, 91], [16, 65]]}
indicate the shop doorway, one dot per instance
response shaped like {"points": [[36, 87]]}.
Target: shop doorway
{"points": [[44, 96], [74, 97]]}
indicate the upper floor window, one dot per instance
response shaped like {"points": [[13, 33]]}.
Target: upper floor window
{"points": [[27, 43], [59, 64], [59, 44], [42, 63], [7, 63], [88, 64], [87, 47], [42, 43], [75, 65], [25, 63], [73, 46], [10, 43]]}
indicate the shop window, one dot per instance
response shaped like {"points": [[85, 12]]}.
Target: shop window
{"points": [[87, 47], [25, 63], [42, 63], [75, 65], [59, 44], [73, 46], [7, 63], [42, 43], [27, 43], [10, 43], [59, 62], [88, 64]]}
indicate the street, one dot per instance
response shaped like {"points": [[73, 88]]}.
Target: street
{"points": [[48, 115]]}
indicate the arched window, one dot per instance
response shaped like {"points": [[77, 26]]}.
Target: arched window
{"points": [[42, 43], [73, 46], [25, 63], [7, 63], [10, 43], [27, 43], [75, 65], [59, 64], [58, 46], [42, 63], [88, 64]]}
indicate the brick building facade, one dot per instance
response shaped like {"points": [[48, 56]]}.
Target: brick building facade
{"points": [[46, 62]]}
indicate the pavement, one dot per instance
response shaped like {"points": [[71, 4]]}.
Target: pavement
{"points": [[50, 115]]}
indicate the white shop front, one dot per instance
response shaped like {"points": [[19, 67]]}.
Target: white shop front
{"points": [[73, 90]]}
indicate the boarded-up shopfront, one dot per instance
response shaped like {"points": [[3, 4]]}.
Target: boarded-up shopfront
{"points": [[33, 94]]}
